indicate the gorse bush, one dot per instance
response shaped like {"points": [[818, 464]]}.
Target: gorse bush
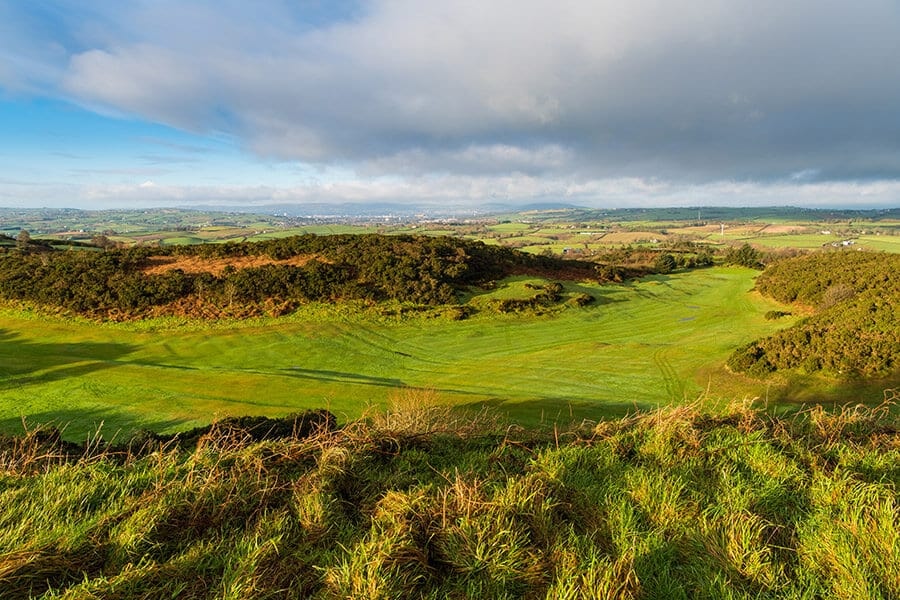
{"points": [[670, 504], [122, 283], [807, 279], [855, 330], [745, 256]]}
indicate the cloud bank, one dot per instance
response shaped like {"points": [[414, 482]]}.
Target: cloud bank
{"points": [[525, 97]]}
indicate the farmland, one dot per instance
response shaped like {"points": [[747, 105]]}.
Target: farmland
{"points": [[572, 231]]}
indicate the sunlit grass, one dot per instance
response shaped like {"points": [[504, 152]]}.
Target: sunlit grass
{"points": [[654, 342], [676, 503]]}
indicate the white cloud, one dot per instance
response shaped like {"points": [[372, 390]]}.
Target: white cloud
{"points": [[450, 191], [155, 83]]}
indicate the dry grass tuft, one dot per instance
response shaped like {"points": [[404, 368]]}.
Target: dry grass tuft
{"points": [[420, 411]]}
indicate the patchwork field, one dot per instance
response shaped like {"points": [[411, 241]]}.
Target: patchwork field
{"points": [[567, 231], [653, 342]]}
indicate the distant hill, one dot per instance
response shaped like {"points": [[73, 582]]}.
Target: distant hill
{"points": [[550, 206], [712, 213], [42, 221]]}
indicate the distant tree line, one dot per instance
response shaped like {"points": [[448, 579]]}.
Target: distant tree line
{"points": [[855, 327], [631, 261], [417, 269]]}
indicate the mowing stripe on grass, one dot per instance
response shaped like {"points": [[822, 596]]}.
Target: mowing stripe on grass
{"points": [[642, 344]]}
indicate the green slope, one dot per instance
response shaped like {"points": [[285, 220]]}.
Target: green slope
{"points": [[652, 342]]}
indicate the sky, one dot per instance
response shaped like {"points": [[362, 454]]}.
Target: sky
{"points": [[600, 103]]}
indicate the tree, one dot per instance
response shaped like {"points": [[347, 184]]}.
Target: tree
{"points": [[101, 241], [23, 239], [745, 256]]}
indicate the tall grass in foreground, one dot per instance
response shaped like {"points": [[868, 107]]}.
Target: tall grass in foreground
{"points": [[675, 503]]}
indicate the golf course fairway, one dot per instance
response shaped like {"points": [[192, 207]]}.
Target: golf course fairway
{"points": [[656, 341]]}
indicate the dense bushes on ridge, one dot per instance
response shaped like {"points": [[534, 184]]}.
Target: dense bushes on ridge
{"points": [[418, 269], [856, 327]]}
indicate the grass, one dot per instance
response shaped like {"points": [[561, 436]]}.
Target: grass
{"points": [[510, 227], [674, 503], [809, 241], [815, 241], [885, 243], [655, 342], [640, 345]]}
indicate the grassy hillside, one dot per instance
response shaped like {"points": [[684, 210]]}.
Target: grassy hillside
{"points": [[669, 504], [651, 342]]}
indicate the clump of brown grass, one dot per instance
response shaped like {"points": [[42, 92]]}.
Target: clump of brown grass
{"points": [[421, 411]]}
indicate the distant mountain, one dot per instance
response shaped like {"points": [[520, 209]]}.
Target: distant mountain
{"points": [[352, 209]]}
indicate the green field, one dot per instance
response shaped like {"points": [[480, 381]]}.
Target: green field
{"points": [[885, 243], [649, 343]]}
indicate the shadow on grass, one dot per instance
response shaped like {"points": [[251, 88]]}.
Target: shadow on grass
{"points": [[342, 377], [603, 294], [550, 411], [600, 292], [658, 288], [800, 393], [26, 362], [811, 389], [347, 378], [78, 425]]}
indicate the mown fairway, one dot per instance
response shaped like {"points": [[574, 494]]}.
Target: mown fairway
{"points": [[654, 342]]}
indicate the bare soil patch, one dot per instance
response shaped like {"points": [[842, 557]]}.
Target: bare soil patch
{"points": [[785, 229], [195, 264]]}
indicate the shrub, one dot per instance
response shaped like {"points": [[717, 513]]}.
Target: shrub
{"points": [[773, 315], [856, 328], [665, 263], [582, 299]]}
